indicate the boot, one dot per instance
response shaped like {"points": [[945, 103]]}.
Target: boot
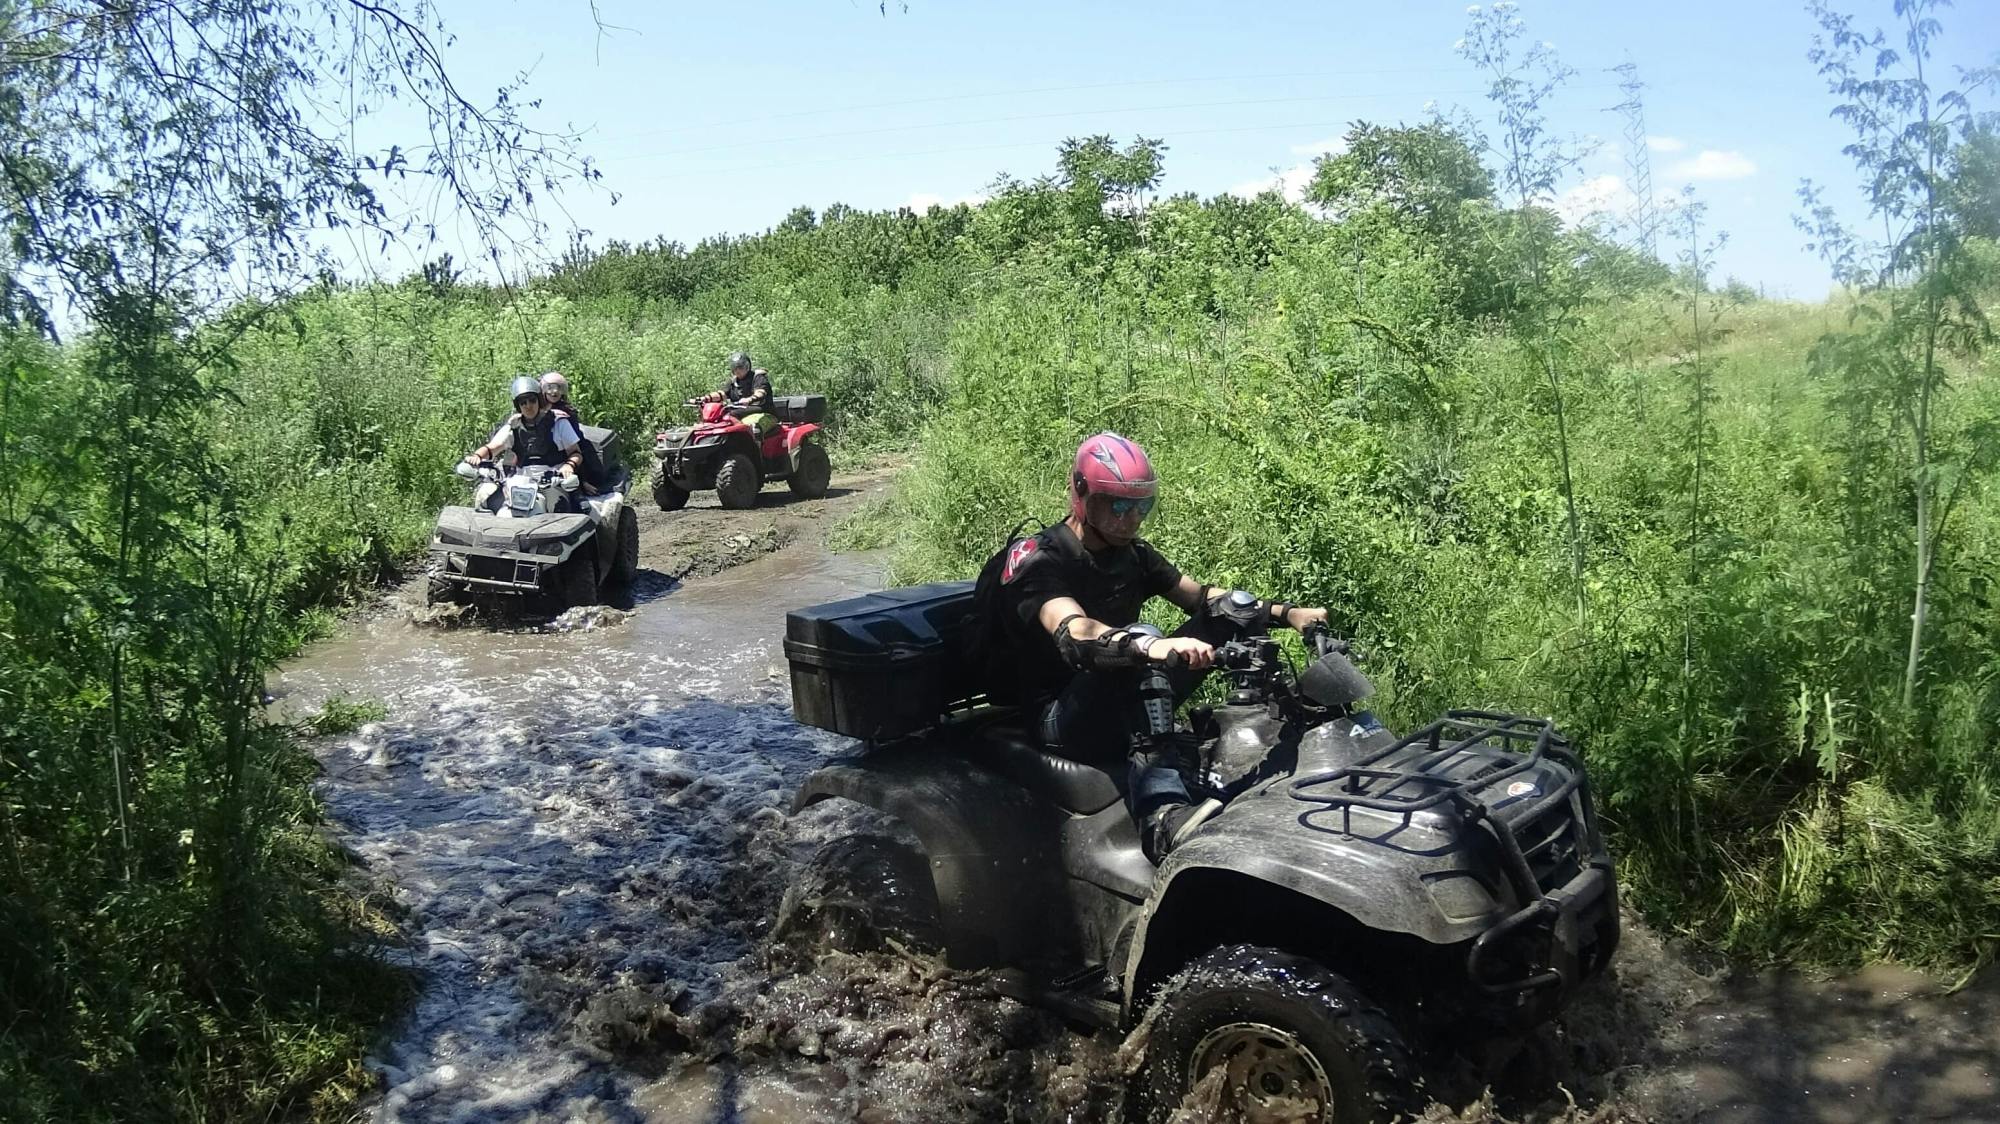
{"points": [[1165, 828]]}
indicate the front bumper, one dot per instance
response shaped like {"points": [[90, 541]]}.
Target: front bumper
{"points": [[1532, 961], [689, 466], [511, 571]]}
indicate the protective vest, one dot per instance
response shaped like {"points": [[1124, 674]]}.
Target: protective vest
{"points": [[535, 441]]}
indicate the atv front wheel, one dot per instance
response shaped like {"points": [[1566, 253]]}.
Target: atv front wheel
{"points": [[736, 482], [438, 591], [576, 580], [669, 495], [1295, 1042], [812, 472], [625, 564]]}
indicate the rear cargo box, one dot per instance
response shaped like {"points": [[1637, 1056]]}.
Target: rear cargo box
{"points": [[880, 666], [796, 409]]}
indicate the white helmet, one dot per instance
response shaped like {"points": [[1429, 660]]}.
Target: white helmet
{"points": [[555, 387]]}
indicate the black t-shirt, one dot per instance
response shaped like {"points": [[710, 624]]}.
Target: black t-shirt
{"points": [[757, 388], [1112, 585]]}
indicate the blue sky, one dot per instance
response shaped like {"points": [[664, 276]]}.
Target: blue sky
{"points": [[711, 118]]}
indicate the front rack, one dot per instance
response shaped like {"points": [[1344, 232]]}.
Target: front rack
{"points": [[1418, 786]]}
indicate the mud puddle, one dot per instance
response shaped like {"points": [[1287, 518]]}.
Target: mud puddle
{"points": [[586, 822]]}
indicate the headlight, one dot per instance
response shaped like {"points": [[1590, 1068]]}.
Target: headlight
{"points": [[521, 495]]}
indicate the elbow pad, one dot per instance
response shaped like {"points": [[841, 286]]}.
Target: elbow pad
{"points": [[1115, 649]]}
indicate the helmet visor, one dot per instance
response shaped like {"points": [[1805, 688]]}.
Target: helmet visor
{"points": [[1117, 516]]}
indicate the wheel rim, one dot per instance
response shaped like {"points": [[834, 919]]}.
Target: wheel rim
{"points": [[1271, 1075]]}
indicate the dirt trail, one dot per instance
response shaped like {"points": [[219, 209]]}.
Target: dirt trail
{"points": [[586, 825], [703, 539]]}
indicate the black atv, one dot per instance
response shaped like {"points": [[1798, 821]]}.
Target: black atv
{"points": [[1349, 893]]}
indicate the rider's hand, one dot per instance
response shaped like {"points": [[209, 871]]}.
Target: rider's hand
{"points": [[1302, 618], [1197, 653], [472, 459], [568, 470]]}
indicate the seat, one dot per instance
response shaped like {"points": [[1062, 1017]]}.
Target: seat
{"points": [[1073, 785]]}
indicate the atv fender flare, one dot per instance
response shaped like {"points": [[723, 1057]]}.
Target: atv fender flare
{"points": [[990, 846], [1381, 895], [797, 435]]}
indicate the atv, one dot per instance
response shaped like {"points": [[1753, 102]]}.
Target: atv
{"points": [[530, 531], [1346, 894], [721, 452]]}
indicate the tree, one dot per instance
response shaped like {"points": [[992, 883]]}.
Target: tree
{"points": [[1908, 139], [1423, 174], [169, 173]]}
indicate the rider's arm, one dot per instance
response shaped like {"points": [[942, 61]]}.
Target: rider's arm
{"points": [[501, 441], [1064, 619], [760, 390], [569, 443], [1191, 595]]}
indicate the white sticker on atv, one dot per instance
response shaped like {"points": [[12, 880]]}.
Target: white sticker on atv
{"points": [[1522, 788]]}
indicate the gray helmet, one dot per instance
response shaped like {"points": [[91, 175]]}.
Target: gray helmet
{"points": [[739, 361], [525, 385]]}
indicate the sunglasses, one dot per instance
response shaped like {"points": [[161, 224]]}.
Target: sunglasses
{"points": [[525, 399], [1124, 507]]}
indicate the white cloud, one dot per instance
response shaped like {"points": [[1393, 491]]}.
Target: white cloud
{"points": [[923, 201], [1331, 146], [1666, 144], [1291, 183], [1713, 164], [1598, 195]]}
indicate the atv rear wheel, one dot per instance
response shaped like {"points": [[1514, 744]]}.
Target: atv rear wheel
{"points": [[736, 482], [811, 472], [1295, 1042], [625, 564], [860, 892], [576, 580], [669, 495]]}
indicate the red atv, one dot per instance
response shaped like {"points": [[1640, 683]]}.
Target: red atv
{"points": [[723, 453]]}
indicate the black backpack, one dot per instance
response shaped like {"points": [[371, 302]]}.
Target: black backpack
{"points": [[985, 643]]}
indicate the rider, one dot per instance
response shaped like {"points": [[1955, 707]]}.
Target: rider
{"points": [[536, 434], [1064, 645], [748, 390], [555, 389]]}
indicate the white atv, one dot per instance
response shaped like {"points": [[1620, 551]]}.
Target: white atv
{"points": [[532, 531]]}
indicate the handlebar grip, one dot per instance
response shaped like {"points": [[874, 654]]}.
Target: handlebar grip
{"points": [[1175, 660]]}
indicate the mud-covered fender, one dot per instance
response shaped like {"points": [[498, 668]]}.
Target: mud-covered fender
{"points": [[1260, 839], [992, 849]]}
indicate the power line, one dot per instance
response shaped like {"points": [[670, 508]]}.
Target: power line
{"points": [[1262, 76], [887, 129], [1044, 143]]}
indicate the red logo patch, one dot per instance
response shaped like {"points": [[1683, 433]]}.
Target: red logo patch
{"points": [[1017, 554]]}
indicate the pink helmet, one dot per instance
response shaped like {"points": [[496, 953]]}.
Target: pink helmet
{"points": [[1111, 489]]}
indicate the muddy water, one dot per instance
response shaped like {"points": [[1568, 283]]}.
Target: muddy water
{"points": [[586, 827]]}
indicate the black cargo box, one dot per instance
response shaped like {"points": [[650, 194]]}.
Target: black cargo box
{"points": [[795, 409], [881, 666]]}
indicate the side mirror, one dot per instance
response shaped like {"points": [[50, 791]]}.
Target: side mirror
{"points": [[1334, 681]]}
